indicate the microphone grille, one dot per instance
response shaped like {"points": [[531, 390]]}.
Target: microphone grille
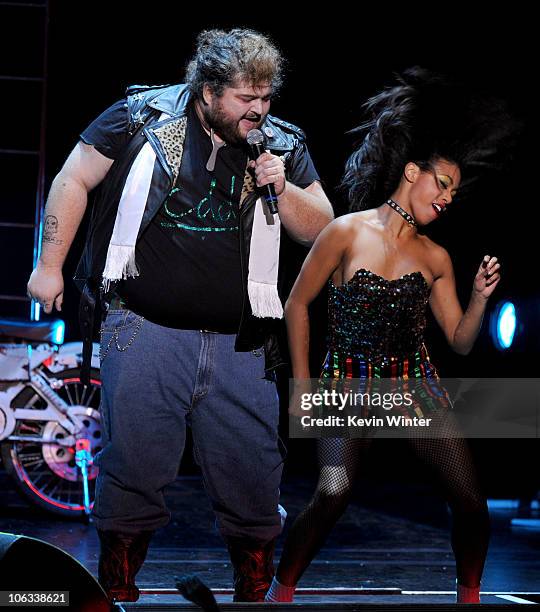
{"points": [[255, 137]]}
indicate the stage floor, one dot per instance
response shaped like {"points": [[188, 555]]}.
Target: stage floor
{"points": [[399, 545], [345, 600]]}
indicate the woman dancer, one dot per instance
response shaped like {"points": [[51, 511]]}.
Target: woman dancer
{"points": [[422, 140]]}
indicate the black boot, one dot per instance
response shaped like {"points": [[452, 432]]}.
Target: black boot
{"points": [[253, 568], [121, 557]]}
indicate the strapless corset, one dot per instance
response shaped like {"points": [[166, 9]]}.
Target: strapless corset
{"points": [[377, 319]]}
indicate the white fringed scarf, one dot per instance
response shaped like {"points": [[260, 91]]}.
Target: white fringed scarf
{"points": [[120, 262], [264, 246], [264, 263]]}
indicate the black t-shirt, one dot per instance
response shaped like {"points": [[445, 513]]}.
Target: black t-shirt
{"points": [[189, 255]]}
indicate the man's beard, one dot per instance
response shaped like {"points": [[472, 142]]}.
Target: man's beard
{"points": [[225, 127]]}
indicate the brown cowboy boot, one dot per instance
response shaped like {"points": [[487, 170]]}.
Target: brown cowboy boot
{"points": [[121, 557], [253, 568]]}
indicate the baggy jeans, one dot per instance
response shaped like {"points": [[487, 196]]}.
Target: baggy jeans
{"points": [[156, 381]]}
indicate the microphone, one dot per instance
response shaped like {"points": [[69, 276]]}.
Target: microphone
{"points": [[255, 140]]}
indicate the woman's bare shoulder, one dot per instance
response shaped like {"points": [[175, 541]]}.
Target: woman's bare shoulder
{"points": [[344, 230], [438, 257], [355, 220], [341, 225]]}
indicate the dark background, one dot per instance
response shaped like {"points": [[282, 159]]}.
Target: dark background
{"points": [[337, 57]]}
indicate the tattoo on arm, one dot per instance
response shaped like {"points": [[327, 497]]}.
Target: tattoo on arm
{"points": [[50, 229]]}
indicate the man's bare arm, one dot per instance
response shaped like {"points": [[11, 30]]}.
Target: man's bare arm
{"points": [[305, 212], [83, 170]]}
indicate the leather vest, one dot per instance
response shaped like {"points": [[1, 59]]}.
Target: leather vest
{"points": [[144, 108]]}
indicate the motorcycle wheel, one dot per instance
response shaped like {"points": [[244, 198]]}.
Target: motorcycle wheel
{"points": [[46, 473]]}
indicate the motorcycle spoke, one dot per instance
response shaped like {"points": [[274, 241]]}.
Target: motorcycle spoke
{"points": [[68, 393], [47, 490], [90, 397], [77, 394], [38, 480]]}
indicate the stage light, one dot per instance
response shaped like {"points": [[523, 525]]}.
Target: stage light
{"points": [[35, 308], [59, 332], [503, 325]]}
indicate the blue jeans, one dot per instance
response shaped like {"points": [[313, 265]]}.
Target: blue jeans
{"points": [[157, 380]]}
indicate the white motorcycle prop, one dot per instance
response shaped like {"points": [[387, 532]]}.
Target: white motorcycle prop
{"points": [[50, 427]]}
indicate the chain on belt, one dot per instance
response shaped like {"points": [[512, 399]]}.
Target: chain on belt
{"points": [[114, 337]]}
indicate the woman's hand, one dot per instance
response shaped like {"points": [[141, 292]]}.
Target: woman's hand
{"points": [[487, 277], [301, 393]]}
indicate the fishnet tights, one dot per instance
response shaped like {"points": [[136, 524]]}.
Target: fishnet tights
{"points": [[449, 460]]}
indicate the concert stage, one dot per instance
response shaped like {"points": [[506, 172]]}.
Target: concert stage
{"points": [[391, 549]]}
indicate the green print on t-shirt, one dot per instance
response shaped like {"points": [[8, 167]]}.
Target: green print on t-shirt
{"points": [[220, 212]]}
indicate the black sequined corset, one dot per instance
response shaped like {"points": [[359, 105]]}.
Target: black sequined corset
{"points": [[377, 319]]}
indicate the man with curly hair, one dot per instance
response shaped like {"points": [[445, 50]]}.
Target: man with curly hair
{"points": [[183, 256]]}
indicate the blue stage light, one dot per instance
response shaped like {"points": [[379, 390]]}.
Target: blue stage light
{"points": [[504, 324], [35, 314], [59, 330]]}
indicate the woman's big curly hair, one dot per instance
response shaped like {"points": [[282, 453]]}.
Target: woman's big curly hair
{"points": [[422, 118]]}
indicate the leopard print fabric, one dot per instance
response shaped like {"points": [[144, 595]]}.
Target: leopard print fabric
{"points": [[249, 184], [172, 137]]}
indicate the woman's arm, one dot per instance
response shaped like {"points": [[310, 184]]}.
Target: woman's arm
{"points": [[461, 329], [324, 257]]}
